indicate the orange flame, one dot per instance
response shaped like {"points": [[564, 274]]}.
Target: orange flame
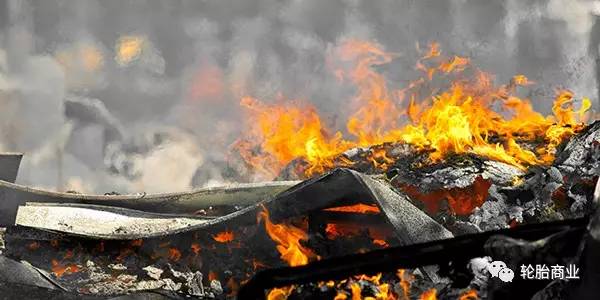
{"points": [[293, 132], [174, 254], [405, 282], [288, 240], [460, 119], [462, 201], [224, 237], [356, 208], [280, 293], [195, 248], [469, 295], [59, 269], [429, 295]]}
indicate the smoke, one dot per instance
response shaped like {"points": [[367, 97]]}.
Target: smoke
{"points": [[185, 64]]}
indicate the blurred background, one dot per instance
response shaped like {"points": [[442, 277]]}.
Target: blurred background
{"points": [[144, 96]]}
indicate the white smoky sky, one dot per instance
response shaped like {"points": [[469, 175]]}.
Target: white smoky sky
{"points": [[199, 57]]}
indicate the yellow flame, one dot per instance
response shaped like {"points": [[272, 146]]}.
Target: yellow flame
{"points": [[288, 240], [460, 119]]}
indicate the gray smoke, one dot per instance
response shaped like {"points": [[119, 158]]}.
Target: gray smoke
{"points": [[196, 59]]}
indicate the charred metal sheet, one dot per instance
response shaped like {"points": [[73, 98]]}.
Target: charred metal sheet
{"points": [[9, 166], [16, 291], [15, 272], [102, 221], [13, 195], [410, 224], [347, 186]]}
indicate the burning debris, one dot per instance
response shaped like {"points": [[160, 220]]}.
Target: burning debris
{"points": [[384, 210]]}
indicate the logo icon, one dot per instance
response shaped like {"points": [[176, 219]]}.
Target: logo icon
{"points": [[499, 269], [506, 275]]}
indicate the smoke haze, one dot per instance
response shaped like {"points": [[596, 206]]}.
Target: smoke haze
{"points": [[155, 86]]}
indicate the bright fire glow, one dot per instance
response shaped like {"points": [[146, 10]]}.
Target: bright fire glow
{"points": [[128, 49], [429, 295], [356, 208], [469, 295], [224, 236], [470, 115], [288, 239]]}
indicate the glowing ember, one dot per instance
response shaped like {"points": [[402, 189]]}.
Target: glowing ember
{"points": [[58, 269], [174, 254], [195, 248], [357, 208], [462, 201], [280, 293], [33, 246], [212, 276], [224, 237], [137, 243], [288, 240], [469, 295], [463, 118], [381, 243]]}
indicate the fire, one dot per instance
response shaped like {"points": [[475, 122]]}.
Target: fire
{"points": [[288, 240], [356, 208], [293, 131], [382, 292], [469, 295], [280, 293], [174, 254], [343, 229], [58, 269], [137, 243], [405, 282], [462, 201], [224, 237], [128, 49], [195, 248], [429, 295], [471, 115], [33, 246]]}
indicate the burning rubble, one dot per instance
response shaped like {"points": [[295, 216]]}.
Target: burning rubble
{"points": [[410, 201]]}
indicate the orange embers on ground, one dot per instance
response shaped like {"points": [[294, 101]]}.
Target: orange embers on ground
{"points": [[224, 236], [461, 201], [59, 269], [351, 289], [469, 115]]}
